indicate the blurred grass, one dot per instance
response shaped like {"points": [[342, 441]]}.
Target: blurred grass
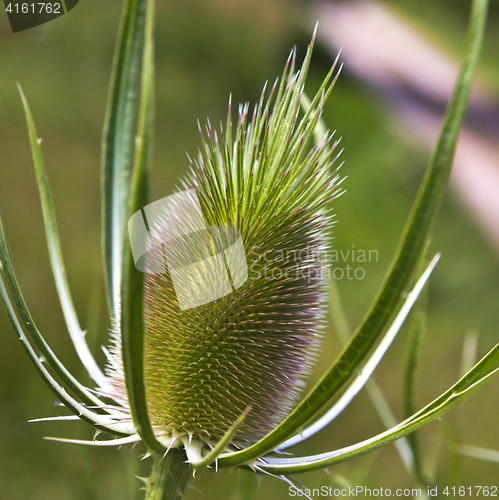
{"points": [[205, 51]]}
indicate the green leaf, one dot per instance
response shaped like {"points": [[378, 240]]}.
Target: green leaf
{"points": [[483, 371], [118, 142], [105, 442], [222, 444], [54, 247], [403, 267], [132, 293]]}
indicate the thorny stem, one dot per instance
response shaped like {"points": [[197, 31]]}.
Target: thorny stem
{"points": [[168, 477]]}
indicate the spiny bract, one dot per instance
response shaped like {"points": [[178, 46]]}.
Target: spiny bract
{"points": [[205, 365]]}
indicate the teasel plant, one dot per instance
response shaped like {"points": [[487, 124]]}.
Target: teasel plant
{"points": [[217, 386]]}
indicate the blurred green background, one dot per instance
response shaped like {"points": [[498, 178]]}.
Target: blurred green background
{"points": [[207, 49]]}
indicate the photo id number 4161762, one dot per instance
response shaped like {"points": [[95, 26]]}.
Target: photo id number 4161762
{"points": [[34, 8]]}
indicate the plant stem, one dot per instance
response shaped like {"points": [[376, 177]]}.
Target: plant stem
{"points": [[168, 477]]}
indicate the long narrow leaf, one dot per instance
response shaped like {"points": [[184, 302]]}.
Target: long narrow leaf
{"points": [[222, 443], [483, 371], [117, 147], [107, 442], [132, 314], [54, 247], [404, 264]]}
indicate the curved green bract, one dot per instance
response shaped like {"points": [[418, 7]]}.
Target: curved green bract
{"points": [[54, 247], [132, 290], [483, 371], [222, 444], [403, 267]]}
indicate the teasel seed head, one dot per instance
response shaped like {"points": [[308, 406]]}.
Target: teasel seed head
{"points": [[252, 347]]}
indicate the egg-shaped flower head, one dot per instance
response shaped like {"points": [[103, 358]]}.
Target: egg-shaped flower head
{"points": [[264, 191]]}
